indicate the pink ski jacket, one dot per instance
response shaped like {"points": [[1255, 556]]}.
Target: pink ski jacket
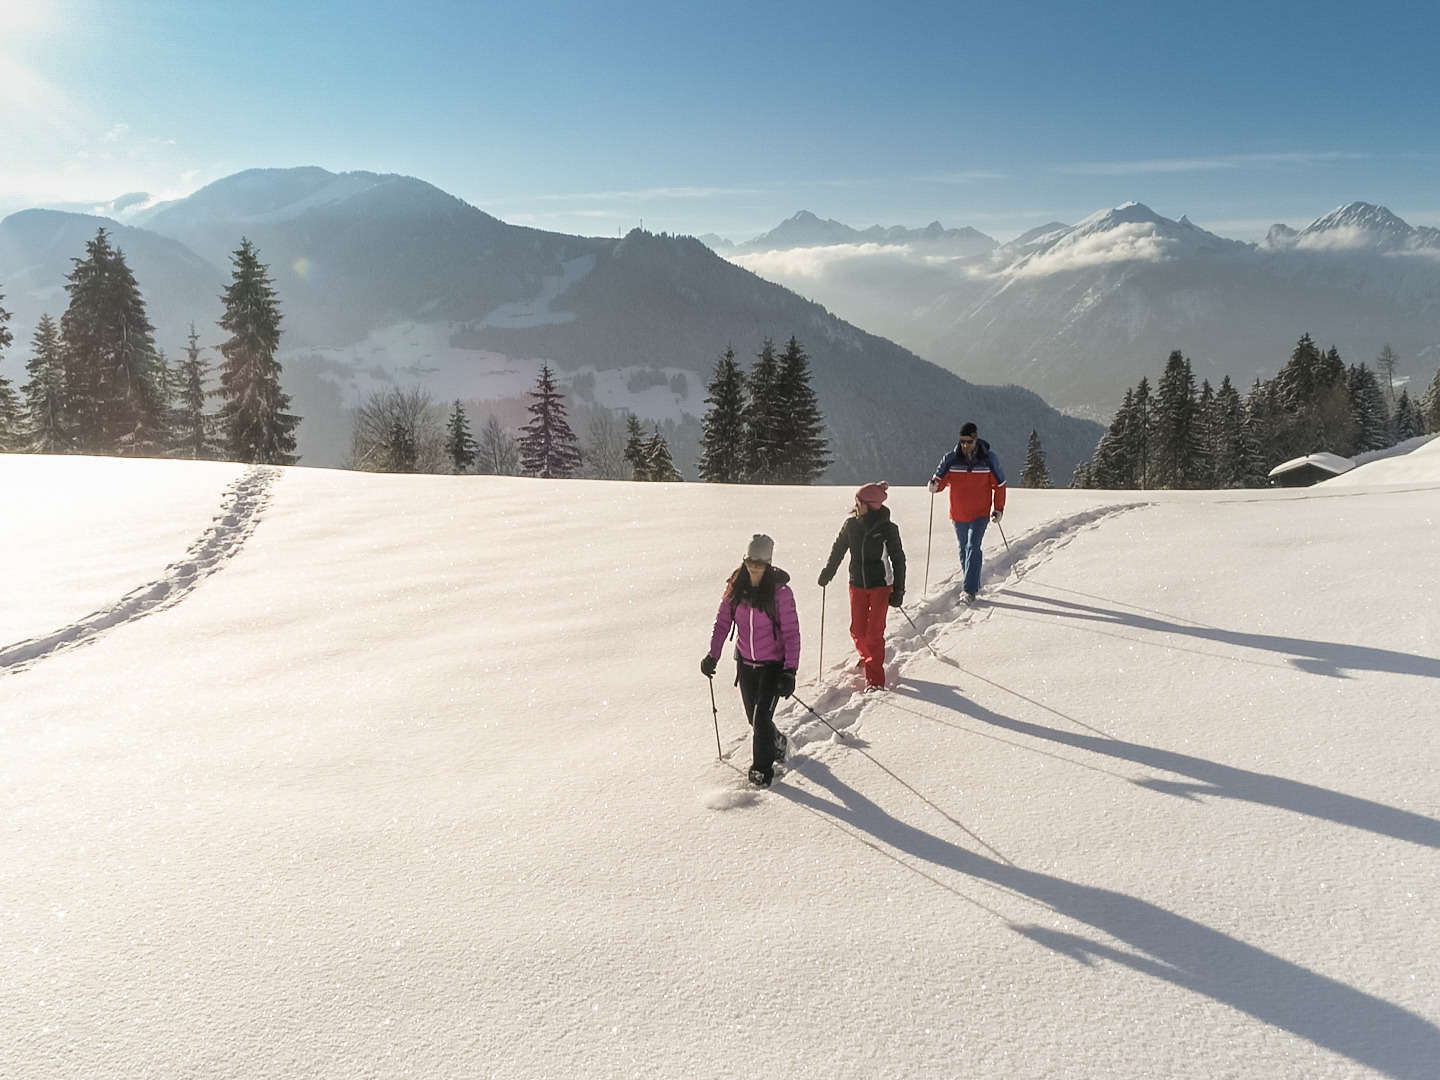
{"points": [[757, 639]]}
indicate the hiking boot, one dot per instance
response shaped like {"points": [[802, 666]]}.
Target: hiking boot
{"points": [[761, 777]]}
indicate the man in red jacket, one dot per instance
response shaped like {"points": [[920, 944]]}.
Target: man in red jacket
{"points": [[976, 483]]}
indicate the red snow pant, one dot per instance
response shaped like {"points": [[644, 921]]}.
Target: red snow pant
{"points": [[868, 608]]}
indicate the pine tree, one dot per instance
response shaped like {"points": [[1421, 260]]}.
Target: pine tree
{"points": [[1235, 456], [659, 465], [635, 448], [1407, 422], [1368, 413], [1430, 405], [1385, 365], [255, 419], [111, 401], [722, 439], [1207, 428], [45, 390], [498, 454], [193, 433], [1177, 430], [548, 448], [802, 444], [1140, 435], [459, 445], [1036, 475], [764, 420]]}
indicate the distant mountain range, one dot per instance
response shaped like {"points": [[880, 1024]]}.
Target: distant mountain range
{"points": [[807, 230], [1078, 313], [386, 280]]}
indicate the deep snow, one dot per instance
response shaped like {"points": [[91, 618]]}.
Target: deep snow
{"points": [[313, 773]]}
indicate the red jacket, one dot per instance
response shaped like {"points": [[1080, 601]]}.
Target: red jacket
{"points": [[973, 484]]}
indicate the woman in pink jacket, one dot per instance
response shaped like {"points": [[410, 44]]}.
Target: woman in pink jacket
{"points": [[759, 606]]}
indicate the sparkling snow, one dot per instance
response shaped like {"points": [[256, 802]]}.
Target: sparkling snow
{"points": [[322, 774]]}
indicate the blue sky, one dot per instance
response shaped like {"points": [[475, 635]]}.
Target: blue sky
{"points": [[727, 118]]}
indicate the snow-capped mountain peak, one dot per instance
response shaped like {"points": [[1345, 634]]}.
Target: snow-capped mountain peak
{"points": [[1365, 226]]}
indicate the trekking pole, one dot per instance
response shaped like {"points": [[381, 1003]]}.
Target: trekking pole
{"points": [[929, 536], [820, 675], [822, 719], [922, 636], [1013, 566], [715, 714]]}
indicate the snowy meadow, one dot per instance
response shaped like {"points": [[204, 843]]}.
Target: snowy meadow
{"points": [[324, 774]]}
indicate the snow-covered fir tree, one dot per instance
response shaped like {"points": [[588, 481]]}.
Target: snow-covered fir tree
{"points": [[1236, 460], [497, 453], [1430, 405], [1368, 411], [1035, 474], [548, 448], [1407, 422], [255, 419], [764, 419], [460, 445], [1179, 450], [111, 401], [635, 455], [802, 447], [194, 430], [45, 389], [659, 466], [722, 438], [1206, 437]]}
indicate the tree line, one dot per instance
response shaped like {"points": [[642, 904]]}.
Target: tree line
{"points": [[1179, 437], [761, 427], [97, 383]]}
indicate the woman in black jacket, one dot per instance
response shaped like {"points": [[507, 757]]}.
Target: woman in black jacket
{"points": [[877, 576]]}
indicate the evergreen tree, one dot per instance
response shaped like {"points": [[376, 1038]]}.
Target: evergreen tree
{"points": [[255, 418], [1112, 465], [1236, 457], [1036, 475], [111, 401], [460, 447], [1368, 413], [1430, 405], [45, 390], [635, 448], [1207, 425], [194, 430], [1407, 422], [722, 439], [803, 448], [1178, 447], [764, 419], [659, 465], [1385, 365], [548, 448], [498, 454], [1140, 435]]}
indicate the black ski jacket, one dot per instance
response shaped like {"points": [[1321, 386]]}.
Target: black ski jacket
{"points": [[874, 545]]}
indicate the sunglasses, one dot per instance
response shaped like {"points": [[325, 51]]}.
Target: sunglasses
{"points": [[756, 562], [967, 442]]}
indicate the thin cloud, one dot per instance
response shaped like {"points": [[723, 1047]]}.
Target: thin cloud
{"points": [[643, 194], [1134, 242], [1203, 164]]}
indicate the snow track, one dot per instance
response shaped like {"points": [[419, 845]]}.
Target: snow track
{"points": [[240, 511], [843, 704]]}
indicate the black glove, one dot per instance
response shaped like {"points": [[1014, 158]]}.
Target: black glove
{"points": [[997, 515], [897, 597], [707, 666], [825, 577], [785, 683]]}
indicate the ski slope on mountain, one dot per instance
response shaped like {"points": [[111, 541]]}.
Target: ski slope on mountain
{"points": [[325, 774]]}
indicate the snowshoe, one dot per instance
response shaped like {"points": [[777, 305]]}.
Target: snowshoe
{"points": [[782, 747], [760, 778]]}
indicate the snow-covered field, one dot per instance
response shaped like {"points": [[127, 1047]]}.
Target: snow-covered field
{"points": [[323, 774]]}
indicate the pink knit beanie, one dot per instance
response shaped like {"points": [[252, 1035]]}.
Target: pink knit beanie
{"points": [[872, 495]]}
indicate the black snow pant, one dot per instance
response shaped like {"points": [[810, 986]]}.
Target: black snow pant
{"points": [[757, 691]]}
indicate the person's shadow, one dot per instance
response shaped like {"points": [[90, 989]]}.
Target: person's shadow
{"points": [[1210, 778], [1159, 943], [1316, 657]]}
